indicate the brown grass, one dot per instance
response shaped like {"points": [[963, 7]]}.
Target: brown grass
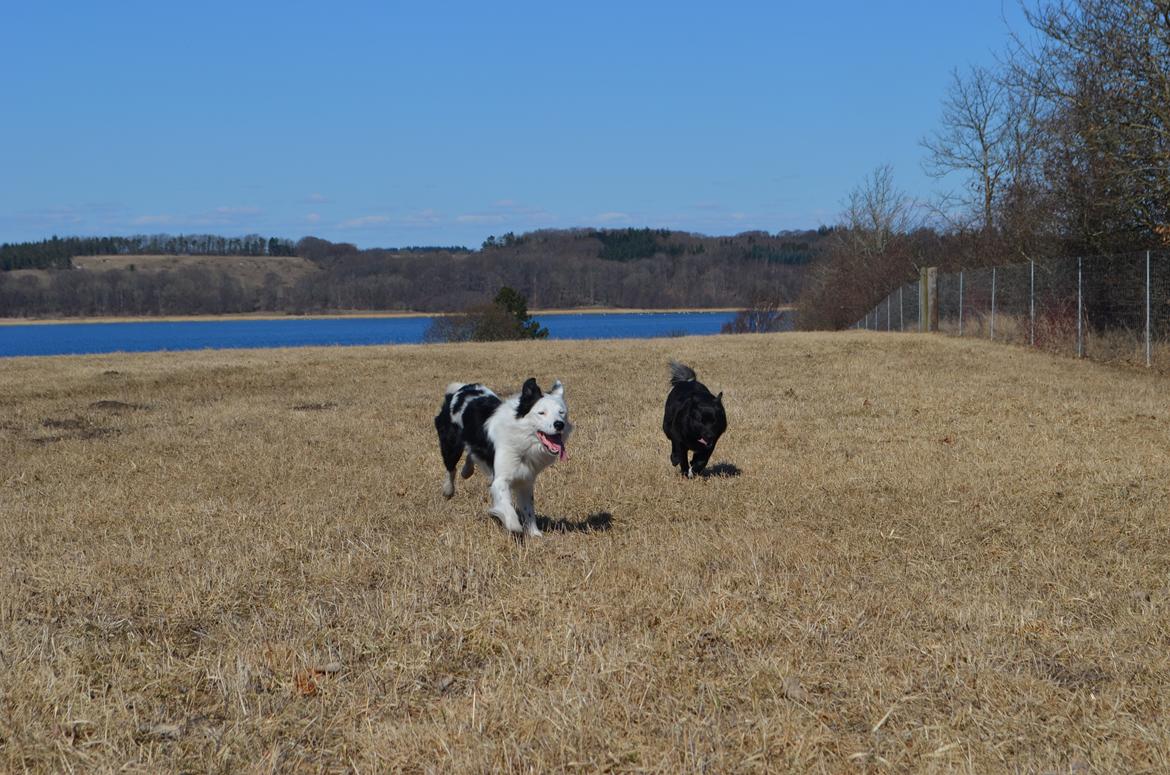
{"points": [[247, 269], [1118, 347], [940, 555]]}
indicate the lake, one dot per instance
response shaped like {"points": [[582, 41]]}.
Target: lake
{"points": [[149, 336]]}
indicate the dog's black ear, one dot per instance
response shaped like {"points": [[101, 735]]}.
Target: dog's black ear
{"points": [[719, 397], [529, 395]]}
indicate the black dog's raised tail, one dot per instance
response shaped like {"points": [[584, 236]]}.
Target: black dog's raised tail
{"points": [[680, 372]]}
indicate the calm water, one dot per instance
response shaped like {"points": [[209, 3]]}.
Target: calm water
{"points": [[76, 338]]}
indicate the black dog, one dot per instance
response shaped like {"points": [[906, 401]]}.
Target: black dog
{"points": [[694, 420]]}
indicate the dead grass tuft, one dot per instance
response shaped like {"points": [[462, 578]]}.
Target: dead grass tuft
{"points": [[923, 554]]}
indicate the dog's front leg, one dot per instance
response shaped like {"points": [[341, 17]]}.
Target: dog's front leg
{"points": [[699, 461], [524, 498], [678, 456], [502, 506]]}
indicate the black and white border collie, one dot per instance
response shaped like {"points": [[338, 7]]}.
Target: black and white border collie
{"points": [[512, 440]]}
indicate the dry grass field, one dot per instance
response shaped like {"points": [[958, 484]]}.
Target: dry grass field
{"points": [[939, 555], [250, 270]]}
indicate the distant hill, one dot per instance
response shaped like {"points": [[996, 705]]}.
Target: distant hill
{"points": [[57, 252], [634, 268], [250, 270]]}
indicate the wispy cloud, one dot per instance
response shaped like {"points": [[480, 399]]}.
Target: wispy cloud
{"points": [[415, 218], [113, 218], [425, 217], [480, 218], [611, 217], [234, 212], [508, 212], [364, 222], [312, 218], [316, 199], [152, 220], [246, 217], [54, 217]]}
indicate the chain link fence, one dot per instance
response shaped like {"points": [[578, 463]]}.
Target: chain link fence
{"points": [[1110, 308], [897, 312]]}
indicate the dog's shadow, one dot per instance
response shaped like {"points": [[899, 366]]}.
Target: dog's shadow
{"points": [[597, 521], [721, 470]]}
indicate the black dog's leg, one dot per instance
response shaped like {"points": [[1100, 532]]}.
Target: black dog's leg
{"points": [[678, 454], [451, 446], [699, 461]]}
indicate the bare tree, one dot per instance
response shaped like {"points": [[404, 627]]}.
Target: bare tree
{"points": [[1101, 70], [988, 133], [876, 213], [868, 255]]}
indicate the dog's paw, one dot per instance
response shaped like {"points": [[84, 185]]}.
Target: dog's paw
{"points": [[509, 522], [449, 488]]}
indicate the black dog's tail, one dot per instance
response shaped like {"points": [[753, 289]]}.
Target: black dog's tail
{"points": [[680, 372]]}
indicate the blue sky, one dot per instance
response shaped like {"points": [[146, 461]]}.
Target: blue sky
{"points": [[388, 123]]}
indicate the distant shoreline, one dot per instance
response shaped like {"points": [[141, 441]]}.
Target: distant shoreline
{"points": [[343, 315]]}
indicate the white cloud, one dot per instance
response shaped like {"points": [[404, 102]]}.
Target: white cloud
{"points": [[232, 212], [364, 222], [153, 220], [480, 218], [312, 218], [317, 199], [242, 217], [611, 217], [425, 217]]}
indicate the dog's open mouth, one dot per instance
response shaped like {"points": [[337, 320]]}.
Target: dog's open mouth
{"points": [[554, 444], [704, 442]]}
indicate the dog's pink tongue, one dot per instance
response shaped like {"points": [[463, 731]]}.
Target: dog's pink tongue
{"points": [[563, 452]]}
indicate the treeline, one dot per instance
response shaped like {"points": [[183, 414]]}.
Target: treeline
{"points": [[633, 244], [551, 268], [1063, 149], [58, 252], [192, 290], [562, 268]]}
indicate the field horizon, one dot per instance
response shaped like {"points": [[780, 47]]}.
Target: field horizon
{"points": [[925, 554]]}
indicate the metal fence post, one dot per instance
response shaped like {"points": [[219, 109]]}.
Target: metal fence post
{"points": [[932, 298], [1148, 360], [1031, 303], [922, 301], [888, 312], [1080, 305], [993, 303], [960, 302]]}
